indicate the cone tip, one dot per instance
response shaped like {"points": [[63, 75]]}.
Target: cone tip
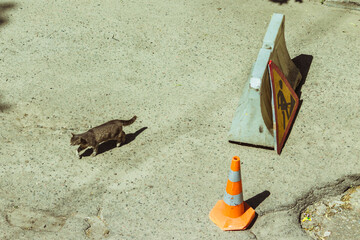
{"points": [[235, 164]]}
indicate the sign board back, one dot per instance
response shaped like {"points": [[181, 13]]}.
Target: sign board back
{"points": [[284, 103]]}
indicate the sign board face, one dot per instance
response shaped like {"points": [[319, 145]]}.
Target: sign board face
{"points": [[284, 102]]}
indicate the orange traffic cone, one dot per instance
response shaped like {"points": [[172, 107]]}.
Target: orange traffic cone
{"points": [[233, 213]]}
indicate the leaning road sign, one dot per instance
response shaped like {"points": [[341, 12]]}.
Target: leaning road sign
{"points": [[253, 119], [284, 105]]}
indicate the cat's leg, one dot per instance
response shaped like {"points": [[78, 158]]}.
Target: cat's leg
{"points": [[95, 150], [118, 139], [79, 150], [121, 139]]}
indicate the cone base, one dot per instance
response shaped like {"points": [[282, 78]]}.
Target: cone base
{"points": [[230, 224]]}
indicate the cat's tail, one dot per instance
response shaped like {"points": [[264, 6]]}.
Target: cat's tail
{"points": [[128, 122]]}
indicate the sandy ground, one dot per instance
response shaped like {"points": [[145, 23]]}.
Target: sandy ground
{"points": [[180, 66]]}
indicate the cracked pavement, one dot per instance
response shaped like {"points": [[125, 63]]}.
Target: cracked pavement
{"points": [[180, 67]]}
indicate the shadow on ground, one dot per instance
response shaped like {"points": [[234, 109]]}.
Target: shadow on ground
{"points": [[107, 146], [284, 1], [303, 63], [254, 202], [4, 106], [252, 145], [3, 8]]}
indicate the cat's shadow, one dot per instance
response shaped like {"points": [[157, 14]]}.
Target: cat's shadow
{"points": [[106, 146]]}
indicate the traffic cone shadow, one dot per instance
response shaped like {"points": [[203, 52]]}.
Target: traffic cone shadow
{"points": [[254, 202]]}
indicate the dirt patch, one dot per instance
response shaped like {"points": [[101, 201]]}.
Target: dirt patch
{"points": [[97, 228], [35, 220]]}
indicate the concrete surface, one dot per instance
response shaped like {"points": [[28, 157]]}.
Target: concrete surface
{"points": [[334, 218], [180, 67]]}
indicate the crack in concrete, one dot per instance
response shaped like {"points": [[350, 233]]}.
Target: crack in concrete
{"points": [[310, 197], [332, 189], [253, 234], [353, 5]]}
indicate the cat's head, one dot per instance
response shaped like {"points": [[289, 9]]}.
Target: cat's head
{"points": [[76, 139]]}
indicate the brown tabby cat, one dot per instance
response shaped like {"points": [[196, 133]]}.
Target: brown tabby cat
{"points": [[111, 130]]}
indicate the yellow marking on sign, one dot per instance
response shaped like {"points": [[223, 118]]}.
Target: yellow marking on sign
{"points": [[285, 104]]}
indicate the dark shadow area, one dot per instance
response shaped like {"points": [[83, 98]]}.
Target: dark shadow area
{"points": [[284, 1], [279, 1], [254, 202], [253, 221], [251, 145], [107, 146], [131, 136], [303, 63], [4, 106], [3, 8]]}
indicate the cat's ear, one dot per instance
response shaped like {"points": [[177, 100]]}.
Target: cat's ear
{"points": [[72, 134]]}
